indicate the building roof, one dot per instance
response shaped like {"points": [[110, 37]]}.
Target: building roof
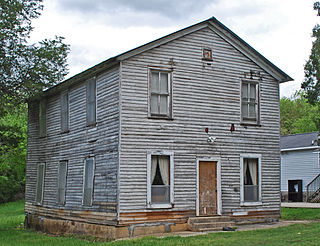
{"points": [[211, 23], [299, 141]]}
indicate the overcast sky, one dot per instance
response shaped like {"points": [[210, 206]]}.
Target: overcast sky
{"points": [[99, 29]]}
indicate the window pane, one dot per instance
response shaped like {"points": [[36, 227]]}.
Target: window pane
{"points": [[251, 193], [253, 91], [244, 110], [91, 114], [154, 104], [252, 110], [164, 83], [163, 104], [244, 92], [88, 182], [155, 82], [160, 194], [40, 180], [62, 178]]}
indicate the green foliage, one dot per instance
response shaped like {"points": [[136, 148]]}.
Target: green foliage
{"points": [[25, 70], [297, 115], [13, 131], [311, 83], [300, 213]]}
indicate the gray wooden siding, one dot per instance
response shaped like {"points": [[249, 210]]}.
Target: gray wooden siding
{"points": [[80, 142], [303, 164], [205, 94]]}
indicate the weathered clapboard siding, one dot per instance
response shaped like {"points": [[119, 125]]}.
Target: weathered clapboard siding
{"points": [[100, 141], [205, 94], [300, 164]]}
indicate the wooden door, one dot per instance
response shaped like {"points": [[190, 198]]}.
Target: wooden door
{"points": [[207, 188]]}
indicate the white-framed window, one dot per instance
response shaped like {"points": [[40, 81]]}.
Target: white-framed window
{"points": [[88, 181], [250, 101], [160, 179], [43, 118], [64, 102], [250, 179], [40, 183], [91, 102], [62, 182], [160, 98]]}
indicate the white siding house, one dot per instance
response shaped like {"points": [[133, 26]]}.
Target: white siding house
{"points": [[299, 160]]}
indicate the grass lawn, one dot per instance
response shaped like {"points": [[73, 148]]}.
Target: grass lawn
{"points": [[12, 233], [300, 213]]}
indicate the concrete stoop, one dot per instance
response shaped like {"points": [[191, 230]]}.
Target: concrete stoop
{"points": [[215, 223]]}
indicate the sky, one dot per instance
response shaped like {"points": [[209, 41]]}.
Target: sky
{"points": [[99, 29]]}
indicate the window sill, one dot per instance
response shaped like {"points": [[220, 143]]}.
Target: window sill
{"points": [[63, 132], [251, 204], [160, 117], [245, 123], [156, 206]]}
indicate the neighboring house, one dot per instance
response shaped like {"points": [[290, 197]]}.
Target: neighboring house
{"points": [[184, 126], [299, 165]]}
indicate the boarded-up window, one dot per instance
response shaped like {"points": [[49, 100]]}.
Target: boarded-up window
{"points": [[160, 179], [64, 100], [160, 93], [250, 101], [88, 178], [42, 118], [62, 182], [91, 102], [40, 183]]}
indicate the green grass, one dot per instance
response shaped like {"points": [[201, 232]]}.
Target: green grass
{"points": [[12, 233], [300, 213]]}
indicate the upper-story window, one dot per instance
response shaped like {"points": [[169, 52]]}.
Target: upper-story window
{"points": [[42, 118], [250, 101], [160, 94], [64, 112], [91, 102]]}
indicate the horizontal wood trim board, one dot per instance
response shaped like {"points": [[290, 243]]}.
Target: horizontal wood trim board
{"points": [[81, 216], [141, 217]]}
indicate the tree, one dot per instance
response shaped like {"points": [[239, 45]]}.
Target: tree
{"points": [[311, 83], [297, 115], [27, 69]]}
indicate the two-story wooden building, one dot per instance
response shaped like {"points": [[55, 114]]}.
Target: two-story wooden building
{"points": [[183, 127]]}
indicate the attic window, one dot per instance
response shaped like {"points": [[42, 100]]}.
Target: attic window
{"points": [[207, 54]]}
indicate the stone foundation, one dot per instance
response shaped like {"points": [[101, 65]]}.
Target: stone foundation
{"points": [[103, 232]]}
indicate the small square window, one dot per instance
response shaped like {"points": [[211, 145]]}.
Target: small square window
{"points": [[207, 54]]}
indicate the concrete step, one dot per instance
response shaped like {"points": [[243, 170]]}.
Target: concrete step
{"points": [[209, 219], [215, 223]]}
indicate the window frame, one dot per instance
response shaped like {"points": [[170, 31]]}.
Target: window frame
{"points": [[242, 201], [43, 118], [65, 181], [92, 182], [42, 185], [62, 112], [169, 108], [94, 122], [149, 198], [248, 121]]}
